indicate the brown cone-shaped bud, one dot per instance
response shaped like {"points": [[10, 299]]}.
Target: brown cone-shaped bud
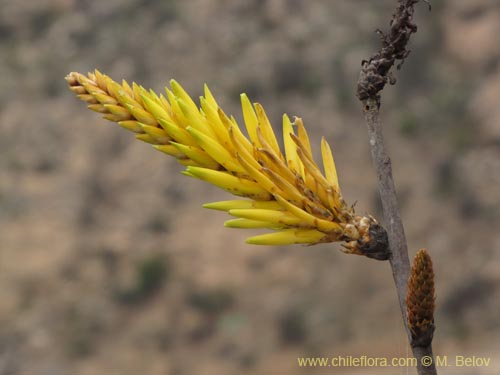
{"points": [[420, 300]]}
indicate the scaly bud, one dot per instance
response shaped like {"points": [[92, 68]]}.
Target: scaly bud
{"points": [[420, 300]]}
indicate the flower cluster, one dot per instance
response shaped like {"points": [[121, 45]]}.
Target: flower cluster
{"points": [[284, 191]]}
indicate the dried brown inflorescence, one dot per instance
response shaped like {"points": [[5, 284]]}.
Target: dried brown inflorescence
{"points": [[375, 72], [420, 300]]}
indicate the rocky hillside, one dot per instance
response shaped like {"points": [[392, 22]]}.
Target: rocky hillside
{"points": [[108, 264]]}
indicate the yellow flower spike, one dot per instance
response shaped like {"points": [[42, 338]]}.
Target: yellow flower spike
{"points": [[197, 155], [177, 133], [284, 190], [249, 118], [266, 130], [243, 204], [329, 165], [288, 237], [228, 182]]}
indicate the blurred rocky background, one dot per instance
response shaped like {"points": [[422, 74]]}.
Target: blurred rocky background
{"points": [[108, 264]]}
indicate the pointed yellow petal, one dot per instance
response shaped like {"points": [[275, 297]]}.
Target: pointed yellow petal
{"points": [[198, 155], [132, 126], [216, 151], [242, 204], [146, 138], [99, 108], [257, 175], [329, 164], [313, 169], [220, 130], [267, 129], [314, 222], [157, 133], [187, 163], [177, 133], [89, 99], [118, 110], [195, 119], [228, 182], [154, 108], [288, 237], [250, 118], [141, 115], [121, 94], [137, 93], [250, 224], [292, 158], [289, 191], [127, 88], [105, 99], [183, 95], [79, 90], [209, 97], [232, 127], [302, 135], [100, 79], [171, 151], [271, 216]]}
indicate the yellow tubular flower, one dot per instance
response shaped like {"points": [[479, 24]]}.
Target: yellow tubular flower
{"points": [[285, 191]]}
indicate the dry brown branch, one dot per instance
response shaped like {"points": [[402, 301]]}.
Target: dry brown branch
{"points": [[375, 73]]}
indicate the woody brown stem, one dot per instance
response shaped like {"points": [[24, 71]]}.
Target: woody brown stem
{"points": [[375, 73]]}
